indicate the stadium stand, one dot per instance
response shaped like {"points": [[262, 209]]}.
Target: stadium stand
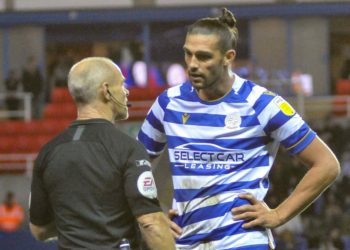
{"points": [[20, 138]]}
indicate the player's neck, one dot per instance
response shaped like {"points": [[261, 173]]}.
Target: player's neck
{"points": [[218, 90]]}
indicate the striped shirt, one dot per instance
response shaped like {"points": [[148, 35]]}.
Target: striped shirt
{"points": [[218, 150]]}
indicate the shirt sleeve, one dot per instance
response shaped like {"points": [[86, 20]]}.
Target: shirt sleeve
{"points": [[139, 184], [40, 211], [287, 127], [152, 134]]}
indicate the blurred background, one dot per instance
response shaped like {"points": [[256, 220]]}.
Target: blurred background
{"points": [[298, 48]]}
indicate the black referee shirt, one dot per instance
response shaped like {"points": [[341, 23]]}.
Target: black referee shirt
{"points": [[93, 180]]}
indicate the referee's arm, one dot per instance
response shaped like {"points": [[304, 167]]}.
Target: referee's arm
{"points": [[155, 230], [42, 225], [44, 232]]}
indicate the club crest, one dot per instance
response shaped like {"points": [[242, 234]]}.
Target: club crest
{"points": [[233, 121]]}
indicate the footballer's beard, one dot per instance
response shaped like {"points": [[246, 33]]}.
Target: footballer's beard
{"points": [[208, 84], [208, 81]]}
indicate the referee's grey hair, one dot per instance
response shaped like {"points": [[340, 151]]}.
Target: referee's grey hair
{"points": [[224, 26], [87, 75]]}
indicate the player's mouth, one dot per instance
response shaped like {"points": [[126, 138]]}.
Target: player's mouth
{"points": [[196, 77]]}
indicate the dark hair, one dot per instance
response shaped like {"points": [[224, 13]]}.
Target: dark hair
{"points": [[224, 26]]}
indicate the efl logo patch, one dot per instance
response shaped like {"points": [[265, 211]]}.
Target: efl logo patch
{"points": [[140, 163], [146, 185], [284, 106]]}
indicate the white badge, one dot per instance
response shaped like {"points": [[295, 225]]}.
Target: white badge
{"points": [[233, 121], [146, 185]]}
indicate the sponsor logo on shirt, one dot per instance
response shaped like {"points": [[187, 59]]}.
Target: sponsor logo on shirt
{"points": [[146, 185], [185, 118], [206, 156], [284, 106], [206, 166]]}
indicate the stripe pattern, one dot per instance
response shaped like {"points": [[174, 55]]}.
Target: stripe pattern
{"points": [[219, 150]]}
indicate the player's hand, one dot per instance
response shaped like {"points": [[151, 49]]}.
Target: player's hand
{"points": [[256, 214], [175, 229]]}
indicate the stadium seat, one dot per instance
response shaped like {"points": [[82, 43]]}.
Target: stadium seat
{"points": [[339, 106], [61, 95], [20, 137], [30, 144], [60, 110], [28, 137], [144, 94], [343, 87], [7, 144]]}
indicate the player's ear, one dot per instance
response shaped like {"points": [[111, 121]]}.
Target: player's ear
{"points": [[230, 56]]}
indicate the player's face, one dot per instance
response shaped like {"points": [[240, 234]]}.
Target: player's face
{"points": [[204, 60]]}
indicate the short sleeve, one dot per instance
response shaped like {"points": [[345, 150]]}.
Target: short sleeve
{"points": [[152, 134], [40, 211], [287, 127], [139, 184]]}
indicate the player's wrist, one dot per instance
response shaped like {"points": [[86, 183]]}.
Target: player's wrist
{"points": [[279, 219]]}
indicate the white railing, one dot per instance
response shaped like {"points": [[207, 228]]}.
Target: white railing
{"points": [[25, 112], [17, 162]]}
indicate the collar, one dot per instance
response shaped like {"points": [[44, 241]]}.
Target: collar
{"points": [[90, 121]]}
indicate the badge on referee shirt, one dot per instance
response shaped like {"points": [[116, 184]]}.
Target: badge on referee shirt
{"points": [[146, 185], [233, 121], [140, 163]]}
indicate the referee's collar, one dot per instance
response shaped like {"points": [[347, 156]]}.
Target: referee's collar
{"points": [[90, 121]]}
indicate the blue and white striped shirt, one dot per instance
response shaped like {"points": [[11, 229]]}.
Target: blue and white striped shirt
{"points": [[218, 150]]}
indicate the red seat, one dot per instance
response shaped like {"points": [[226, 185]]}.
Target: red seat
{"points": [[46, 126], [30, 144], [339, 106], [23, 143], [60, 110], [29, 137], [54, 126], [144, 94], [11, 127], [61, 95], [7, 144]]}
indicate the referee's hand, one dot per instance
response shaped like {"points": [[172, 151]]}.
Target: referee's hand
{"points": [[175, 229], [256, 214]]}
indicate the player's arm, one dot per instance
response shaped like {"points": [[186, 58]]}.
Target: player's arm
{"points": [[44, 232], [155, 230], [324, 168]]}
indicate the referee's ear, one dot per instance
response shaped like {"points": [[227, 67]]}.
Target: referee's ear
{"points": [[105, 91]]}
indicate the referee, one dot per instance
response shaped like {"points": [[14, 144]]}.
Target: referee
{"points": [[92, 185]]}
